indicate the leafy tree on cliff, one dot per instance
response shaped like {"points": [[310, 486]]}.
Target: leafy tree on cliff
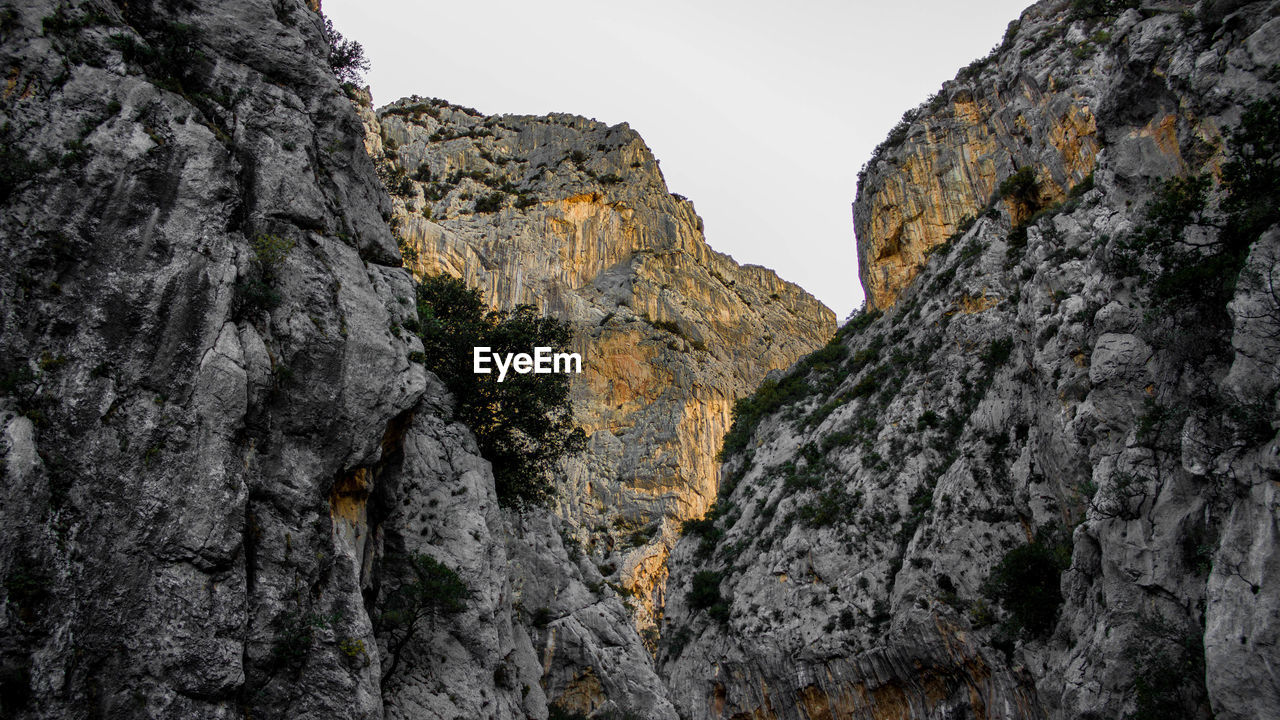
{"points": [[523, 425]]}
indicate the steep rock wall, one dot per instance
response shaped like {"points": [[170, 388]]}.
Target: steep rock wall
{"points": [[1047, 98], [1023, 387], [216, 446], [573, 216]]}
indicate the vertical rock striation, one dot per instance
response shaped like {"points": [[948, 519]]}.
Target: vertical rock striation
{"points": [[573, 216], [1037, 101], [1039, 483]]}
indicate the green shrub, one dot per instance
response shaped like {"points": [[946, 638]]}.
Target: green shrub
{"points": [[1168, 672], [424, 591], [541, 617], [997, 353], [27, 588], [801, 382], [705, 595], [346, 57], [491, 202], [523, 425], [16, 168], [829, 507], [704, 528], [1089, 9], [1203, 278], [1020, 186], [1026, 583], [257, 292]]}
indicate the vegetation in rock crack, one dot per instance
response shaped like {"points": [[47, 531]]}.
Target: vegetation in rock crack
{"points": [[523, 425], [819, 366], [426, 591], [1026, 584], [704, 594], [346, 57], [1197, 274], [1020, 186], [1168, 671], [257, 292]]}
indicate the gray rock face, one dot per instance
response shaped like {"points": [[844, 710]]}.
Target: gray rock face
{"points": [[573, 216], [214, 440], [1014, 393], [216, 447], [171, 439]]}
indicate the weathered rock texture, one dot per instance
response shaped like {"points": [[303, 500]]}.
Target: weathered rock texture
{"points": [[210, 456], [1015, 392], [573, 216], [942, 164]]}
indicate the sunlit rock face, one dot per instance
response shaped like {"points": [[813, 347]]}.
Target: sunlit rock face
{"points": [[943, 163], [1022, 383], [573, 216]]}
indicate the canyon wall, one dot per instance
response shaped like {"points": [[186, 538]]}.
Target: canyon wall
{"points": [[573, 216], [1037, 478]]}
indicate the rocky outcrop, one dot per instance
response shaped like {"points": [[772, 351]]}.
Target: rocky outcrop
{"points": [[179, 407], [220, 460], [1039, 483], [573, 216], [1047, 98]]}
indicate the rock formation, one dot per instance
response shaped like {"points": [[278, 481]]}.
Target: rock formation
{"points": [[573, 216], [1037, 480], [1041, 482], [222, 465]]}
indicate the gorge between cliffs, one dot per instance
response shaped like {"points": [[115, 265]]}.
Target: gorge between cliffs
{"points": [[1036, 477]]}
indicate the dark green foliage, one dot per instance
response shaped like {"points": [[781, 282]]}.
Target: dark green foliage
{"points": [[491, 202], [1202, 278], [704, 528], [16, 168], [794, 386], [19, 382], [167, 52], [1079, 189], [295, 634], [1027, 585], [346, 57], [257, 292], [997, 353], [541, 617], [828, 508], [524, 424], [27, 588], [1020, 186], [1088, 9], [1168, 671], [426, 591], [705, 595], [395, 179], [1252, 175]]}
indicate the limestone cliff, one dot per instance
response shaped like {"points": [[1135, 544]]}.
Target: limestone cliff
{"points": [[1042, 482], [573, 216], [1047, 98], [220, 460]]}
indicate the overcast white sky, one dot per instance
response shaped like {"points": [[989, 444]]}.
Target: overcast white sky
{"points": [[761, 112]]}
